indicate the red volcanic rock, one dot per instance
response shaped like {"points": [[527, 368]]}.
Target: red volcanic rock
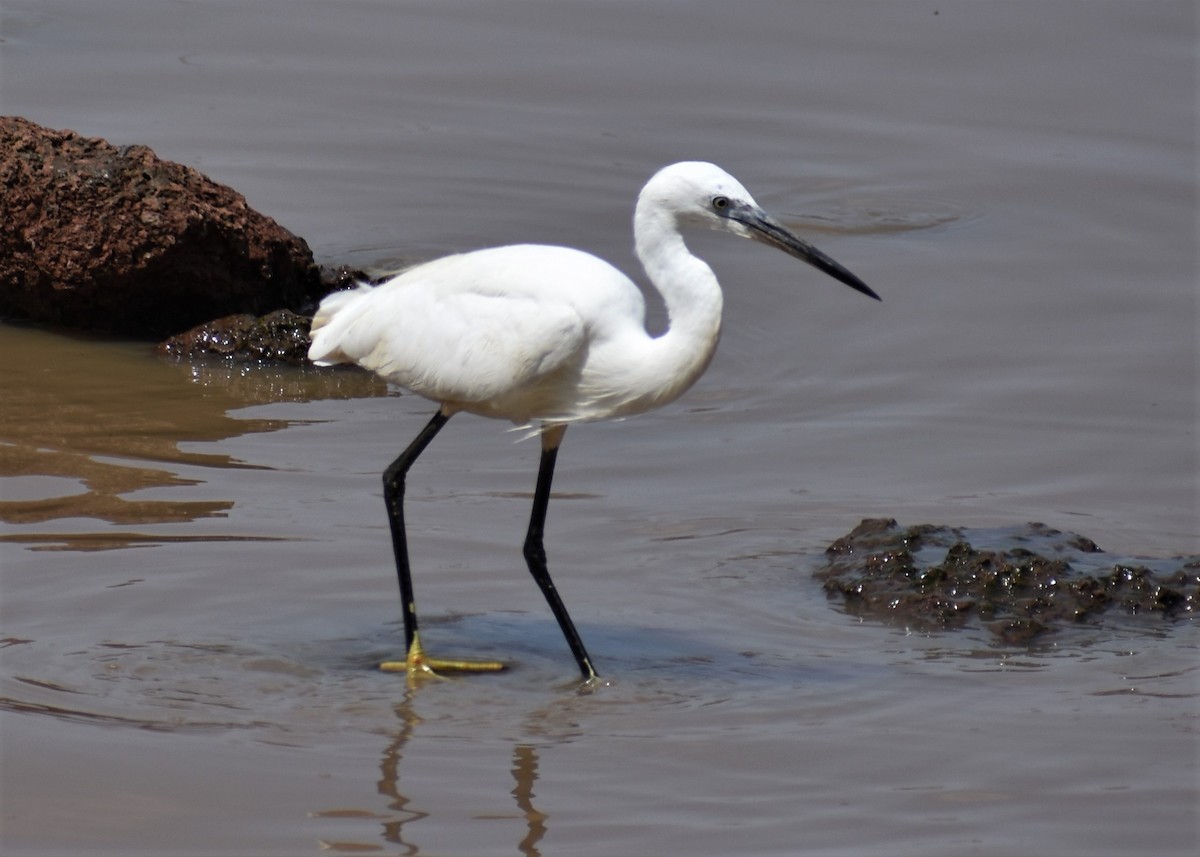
{"points": [[117, 240]]}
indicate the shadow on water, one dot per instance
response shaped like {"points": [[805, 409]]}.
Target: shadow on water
{"points": [[92, 422]]}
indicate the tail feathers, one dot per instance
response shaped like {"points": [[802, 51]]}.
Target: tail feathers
{"points": [[334, 303], [324, 349]]}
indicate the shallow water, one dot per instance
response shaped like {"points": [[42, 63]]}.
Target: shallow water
{"points": [[196, 572]]}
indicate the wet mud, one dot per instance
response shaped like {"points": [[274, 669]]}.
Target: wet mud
{"points": [[1020, 583], [278, 336]]}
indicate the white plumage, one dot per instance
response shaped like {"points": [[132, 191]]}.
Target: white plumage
{"points": [[551, 335]]}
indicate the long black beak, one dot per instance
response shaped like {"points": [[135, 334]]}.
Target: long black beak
{"points": [[762, 227]]}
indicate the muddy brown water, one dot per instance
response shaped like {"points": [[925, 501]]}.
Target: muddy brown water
{"points": [[196, 580]]}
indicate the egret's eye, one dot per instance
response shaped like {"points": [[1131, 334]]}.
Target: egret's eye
{"points": [[720, 203]]}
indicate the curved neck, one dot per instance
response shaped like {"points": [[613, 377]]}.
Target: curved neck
{"points": [[691, 294]]}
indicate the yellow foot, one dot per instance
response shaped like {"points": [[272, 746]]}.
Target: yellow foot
{"points": [[419, 663]]}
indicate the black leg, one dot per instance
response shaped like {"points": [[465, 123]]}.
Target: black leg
{"points": [[393, 495], [535, 552]]}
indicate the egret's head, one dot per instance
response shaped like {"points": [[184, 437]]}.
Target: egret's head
{"points": [[697, 193], [702, 194]]}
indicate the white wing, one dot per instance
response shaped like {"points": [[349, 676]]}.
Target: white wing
{"points": [[464, 329]]}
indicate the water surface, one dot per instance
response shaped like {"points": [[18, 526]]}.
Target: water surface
{"points": [[196, 572]]}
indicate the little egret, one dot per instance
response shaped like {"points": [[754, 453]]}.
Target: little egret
{"points": [[548, 336]]}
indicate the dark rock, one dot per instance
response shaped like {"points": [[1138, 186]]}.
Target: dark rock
{"points": [[278, 336], [117, 240], [1023, 582], [345, 277]]}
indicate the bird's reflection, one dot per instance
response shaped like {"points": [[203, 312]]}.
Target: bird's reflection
{"points": [[396, 828], [524, 771], [389, 777]]}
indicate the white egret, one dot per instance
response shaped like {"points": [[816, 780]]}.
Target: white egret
{"points": [[548, 336]]}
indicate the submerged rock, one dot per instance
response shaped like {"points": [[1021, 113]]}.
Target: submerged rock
{"points": [[118, 240], [278, 336], [1020, 583]]}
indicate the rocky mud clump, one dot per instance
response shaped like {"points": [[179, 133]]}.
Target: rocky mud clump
{"points": [[1020, 583], [280, 336]]}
